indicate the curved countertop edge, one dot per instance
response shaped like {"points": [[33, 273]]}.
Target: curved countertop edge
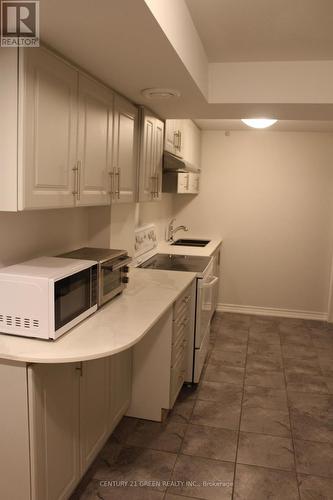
{"points": [[207, 251], [93, 331]]}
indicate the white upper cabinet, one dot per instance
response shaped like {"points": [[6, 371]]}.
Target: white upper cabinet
{"points": [[93, 166], [63, 144], [192, 143], [174, 137], [151, 157], [183, 139], [124, 157], [47, 154]]}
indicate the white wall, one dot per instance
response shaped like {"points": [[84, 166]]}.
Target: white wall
{"points": [[26, 235], [126, 217], [159, 213], [269, 195]]}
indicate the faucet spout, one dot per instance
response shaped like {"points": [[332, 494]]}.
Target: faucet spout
{"points": [[172, 231]]}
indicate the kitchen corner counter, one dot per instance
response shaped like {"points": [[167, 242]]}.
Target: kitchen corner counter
{"points": [[207, 251], [117, 326]]}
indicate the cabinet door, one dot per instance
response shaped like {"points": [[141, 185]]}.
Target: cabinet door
{"points": [[191, 143], [125, 150], [120, 386], [158, 157], [94, 405], [170, 136], [217, 265], [180, 136], [174, 137], [147, 152], [151, 158], [94, 143], [54, 430], [48, 118]]}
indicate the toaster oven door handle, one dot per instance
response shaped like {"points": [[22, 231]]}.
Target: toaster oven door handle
{"points": [[114, 267]]}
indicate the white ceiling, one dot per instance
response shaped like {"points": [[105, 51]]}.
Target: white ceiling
{"points": [[281, 125], [264, 30], [122, 43]]}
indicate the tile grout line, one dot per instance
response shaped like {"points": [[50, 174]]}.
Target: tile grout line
{"points": [[241, 413], [180, 448], [289, 413]]}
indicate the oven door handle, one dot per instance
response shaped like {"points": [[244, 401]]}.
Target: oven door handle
{"points": [[211, 283], [114, 267]]}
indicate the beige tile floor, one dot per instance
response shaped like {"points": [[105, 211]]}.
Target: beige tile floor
{"points": [[259, 425]]}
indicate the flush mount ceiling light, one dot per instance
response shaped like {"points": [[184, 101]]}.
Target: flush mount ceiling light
{"points": [[259, 122], [160, 93]]}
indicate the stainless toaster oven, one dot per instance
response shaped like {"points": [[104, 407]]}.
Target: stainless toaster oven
{"points": [[112, 275]]}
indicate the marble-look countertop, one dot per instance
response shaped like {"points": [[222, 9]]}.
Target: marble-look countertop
{"points": [[115, 327], [207, 251]]}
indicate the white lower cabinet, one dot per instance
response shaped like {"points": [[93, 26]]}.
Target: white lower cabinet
{"points": [[54, 430], [73, 408], [94, 409], [120, 373], [161, 358]]}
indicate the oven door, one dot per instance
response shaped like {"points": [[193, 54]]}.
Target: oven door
{"points": [[112, 274], [74, 296]]}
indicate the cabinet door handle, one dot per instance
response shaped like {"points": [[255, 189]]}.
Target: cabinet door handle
{"points": [[111, 183], [117, 174], [157, 185], [153, 186], [175, 140], [80, 368], [74, 170], [79, 165]]}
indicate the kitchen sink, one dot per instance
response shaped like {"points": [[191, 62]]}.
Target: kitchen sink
{"points": [[184, 242]]}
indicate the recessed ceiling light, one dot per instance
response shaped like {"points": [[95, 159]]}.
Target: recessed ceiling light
{"points": [[160, 93], [259, 122]]}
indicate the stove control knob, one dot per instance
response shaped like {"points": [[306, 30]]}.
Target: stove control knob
{"points": [[126, 269], [125, 279]]}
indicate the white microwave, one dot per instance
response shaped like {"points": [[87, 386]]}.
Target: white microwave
{"points": [[47, 296]]}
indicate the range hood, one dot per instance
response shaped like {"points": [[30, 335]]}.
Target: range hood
{"points": [[172, 163]]}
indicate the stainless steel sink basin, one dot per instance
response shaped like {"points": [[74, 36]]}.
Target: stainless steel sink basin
{"points": [[185, 242]]}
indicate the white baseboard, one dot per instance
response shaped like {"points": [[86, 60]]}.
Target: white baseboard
{"points": [[271, 311]]}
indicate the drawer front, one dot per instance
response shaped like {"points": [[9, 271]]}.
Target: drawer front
{"points": [[182, 304], [177, 377], [180, 330], [178, 350]]}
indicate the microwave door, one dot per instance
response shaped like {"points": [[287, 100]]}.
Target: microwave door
{"points": [[72, 297]]}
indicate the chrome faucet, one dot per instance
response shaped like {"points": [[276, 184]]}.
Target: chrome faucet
{"points": [[171, 231]]}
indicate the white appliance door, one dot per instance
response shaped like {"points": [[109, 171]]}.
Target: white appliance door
{"points": [[200, 356], [205, 305]]}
